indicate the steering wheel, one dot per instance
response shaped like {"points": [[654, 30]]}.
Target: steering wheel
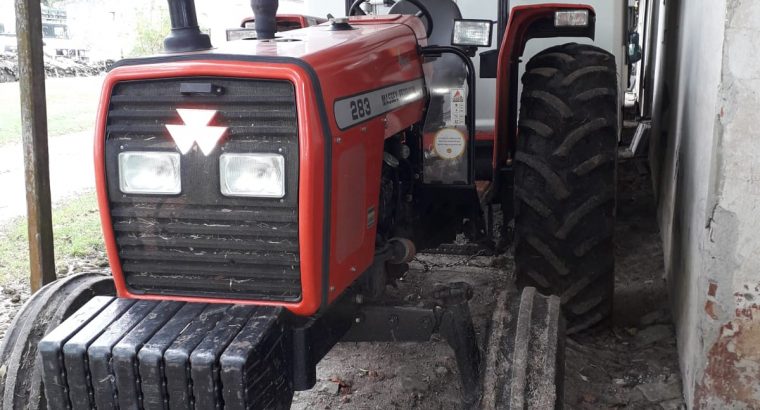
{"points": [[354, 10]]}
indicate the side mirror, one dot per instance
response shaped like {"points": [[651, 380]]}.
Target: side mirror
{"points": [[472, 33]]}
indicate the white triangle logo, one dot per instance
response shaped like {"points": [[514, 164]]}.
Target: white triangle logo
{"points": [[196, 130]]}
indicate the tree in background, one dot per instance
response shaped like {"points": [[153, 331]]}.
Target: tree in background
{"points": [[153, 25]]}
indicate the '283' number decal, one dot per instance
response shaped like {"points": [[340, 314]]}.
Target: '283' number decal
{"points": [[360, 108]]}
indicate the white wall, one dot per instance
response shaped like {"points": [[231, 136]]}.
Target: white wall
{"points": [[609, 36], [709, 190], [320, 8], [8, 15], [695, 79]]}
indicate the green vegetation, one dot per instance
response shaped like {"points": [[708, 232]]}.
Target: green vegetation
{"points": [[71, 106], [76, 227], [153, 25]]}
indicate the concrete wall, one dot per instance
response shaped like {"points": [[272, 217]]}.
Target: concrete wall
{"points": [[707, 160]]}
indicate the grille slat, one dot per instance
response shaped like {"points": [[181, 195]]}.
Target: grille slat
{"points": [[262, 230], [205, 214], [166, 115], [160, 130], [211, 287], [225, 256], [201, 243], [216, 270], [237, 100]]}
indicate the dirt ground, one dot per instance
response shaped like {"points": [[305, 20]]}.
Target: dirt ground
{"points": [[631, 365]]}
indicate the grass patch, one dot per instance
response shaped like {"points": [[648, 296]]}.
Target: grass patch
{"points": [[77, 235], [71, 107]]}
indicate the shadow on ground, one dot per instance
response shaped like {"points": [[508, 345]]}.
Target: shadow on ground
{"points": [[633, 364]]}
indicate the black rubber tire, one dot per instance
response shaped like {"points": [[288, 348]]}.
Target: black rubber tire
{"points": [[565, 170], [20, 370], [525, 353]]}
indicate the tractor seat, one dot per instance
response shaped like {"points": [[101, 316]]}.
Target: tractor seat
{"points": [[444, 12]]}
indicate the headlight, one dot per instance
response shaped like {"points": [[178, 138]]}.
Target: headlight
{"points": [[472, 33], [571, 18], [154, 173], [252, 175]]}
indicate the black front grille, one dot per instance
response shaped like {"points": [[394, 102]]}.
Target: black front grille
{"points": [[201, 243]]}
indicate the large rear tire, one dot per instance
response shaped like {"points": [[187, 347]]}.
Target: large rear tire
{"points": [[20, 367], [565, 170]]}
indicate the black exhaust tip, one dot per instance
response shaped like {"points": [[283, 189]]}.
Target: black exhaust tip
{"points": [[265, 13], [185, 35]]}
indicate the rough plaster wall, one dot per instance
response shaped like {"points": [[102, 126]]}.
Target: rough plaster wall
{"points": [[709, 186], [698, 50], [732, 264]]}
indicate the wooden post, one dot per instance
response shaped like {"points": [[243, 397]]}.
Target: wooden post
{"points": [[35, 141]]}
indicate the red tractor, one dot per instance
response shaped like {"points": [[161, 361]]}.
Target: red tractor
{"points": [[258, 198]]}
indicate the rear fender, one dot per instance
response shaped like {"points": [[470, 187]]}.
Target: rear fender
{"points": [[525, 23]]}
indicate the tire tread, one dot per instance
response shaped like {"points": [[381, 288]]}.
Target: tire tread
{"points": [[565, 180]]}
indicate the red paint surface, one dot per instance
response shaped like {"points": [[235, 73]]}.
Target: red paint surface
{"points": [[484, 135]]}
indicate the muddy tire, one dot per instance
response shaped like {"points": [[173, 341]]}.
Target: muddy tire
{"points": [[525, 357], [20, 370], [565, 169]]}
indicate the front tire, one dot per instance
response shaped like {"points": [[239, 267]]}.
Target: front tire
{"points": [[20, 367], [565, 171]]}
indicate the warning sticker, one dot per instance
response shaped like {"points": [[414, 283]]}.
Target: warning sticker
{"points": [[449, 143], [458, 107]]}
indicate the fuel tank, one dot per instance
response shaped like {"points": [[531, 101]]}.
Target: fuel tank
{"points": [[325, 98]]}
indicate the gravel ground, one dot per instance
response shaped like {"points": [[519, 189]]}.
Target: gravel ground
{"points": [[11, 298], [632, 365]]}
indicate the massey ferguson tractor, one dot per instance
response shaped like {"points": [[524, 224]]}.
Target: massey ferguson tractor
{"points": [[258, 198]]}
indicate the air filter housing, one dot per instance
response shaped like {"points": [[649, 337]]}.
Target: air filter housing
{"points": [[185, 35]]}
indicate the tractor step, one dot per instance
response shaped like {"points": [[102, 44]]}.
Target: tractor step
{"points": [[118, 353]]}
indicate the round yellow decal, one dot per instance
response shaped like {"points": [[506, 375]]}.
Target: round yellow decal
{"points": [[449, 143]]}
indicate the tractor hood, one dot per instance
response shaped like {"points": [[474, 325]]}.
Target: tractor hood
{"points": [[375, 52]]}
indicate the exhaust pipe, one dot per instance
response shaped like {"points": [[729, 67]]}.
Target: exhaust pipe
{"points": [[185, 35], [265, 13]]}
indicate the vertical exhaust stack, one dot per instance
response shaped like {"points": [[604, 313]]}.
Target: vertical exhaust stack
{"points": [[185, 35], [265, 13]]}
